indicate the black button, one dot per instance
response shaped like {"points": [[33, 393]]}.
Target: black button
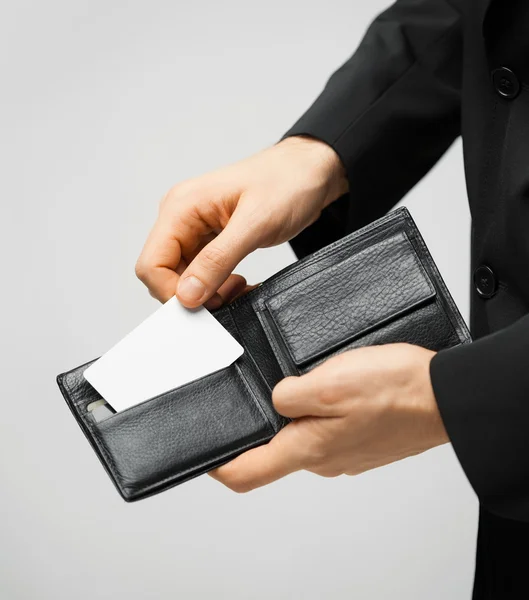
{"points": [[506, 83], [485, 281]]}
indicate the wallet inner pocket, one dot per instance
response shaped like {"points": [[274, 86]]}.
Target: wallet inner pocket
{"points": [[333, 307], [183, 432]]}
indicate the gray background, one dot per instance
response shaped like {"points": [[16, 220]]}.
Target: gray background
{"points": [[105, 105]]}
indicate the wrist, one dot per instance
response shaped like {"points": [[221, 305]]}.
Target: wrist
{"points": [[417, 399], [434, 428], [326, 164]]}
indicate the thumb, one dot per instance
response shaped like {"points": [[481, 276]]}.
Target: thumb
{"points": [[215, 262], [283, 455]]}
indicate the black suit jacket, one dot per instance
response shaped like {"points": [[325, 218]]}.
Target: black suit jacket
{"points": [[426, 72]]}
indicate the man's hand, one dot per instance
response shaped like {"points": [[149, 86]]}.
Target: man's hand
{"points": [[355, 412], [206, 226]]}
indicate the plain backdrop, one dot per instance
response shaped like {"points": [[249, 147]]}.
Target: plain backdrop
{"points": [[104, 106]]}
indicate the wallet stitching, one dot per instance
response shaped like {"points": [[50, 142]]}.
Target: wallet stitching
{"points": [[162, 394], [280, 419], [259, 373], [390, 318], [199, 468], [249, 354], [363, 235], [331, 349], [362, 246], [254, 398], [454, 315], [274, 343], [96, 438], [420, 265], [455, 318]]}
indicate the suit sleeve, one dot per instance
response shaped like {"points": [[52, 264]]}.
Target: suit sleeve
{"points": [[482, 390], [390, 112]]}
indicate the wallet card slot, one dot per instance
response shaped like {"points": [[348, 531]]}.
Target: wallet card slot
{"points": [[331, 308], [181, 433], [275, 339]]}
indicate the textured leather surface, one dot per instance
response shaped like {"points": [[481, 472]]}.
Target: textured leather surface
{"points": [[376, 286], [351, 299]]}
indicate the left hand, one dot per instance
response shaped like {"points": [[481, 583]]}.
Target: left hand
{"points": [[357, 411]]}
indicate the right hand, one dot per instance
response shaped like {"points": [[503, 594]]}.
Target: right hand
{"points": [[206, 226]]}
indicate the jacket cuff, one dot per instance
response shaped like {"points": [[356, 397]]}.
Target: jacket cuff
{"points": [[482, 390]]}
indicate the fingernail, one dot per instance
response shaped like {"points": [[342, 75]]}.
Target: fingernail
{"points": [[191, 289]]}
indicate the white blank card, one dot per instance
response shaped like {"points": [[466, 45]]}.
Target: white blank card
{"points": [[174, 346]]}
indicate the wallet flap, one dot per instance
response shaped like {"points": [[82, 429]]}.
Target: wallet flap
{"points": [[348, 299]]}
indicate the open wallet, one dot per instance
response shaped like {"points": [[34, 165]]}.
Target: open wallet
{"points": [[378, 285]]}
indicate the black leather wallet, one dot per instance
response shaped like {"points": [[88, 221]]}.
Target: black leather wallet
{"points": [[376, 286]]}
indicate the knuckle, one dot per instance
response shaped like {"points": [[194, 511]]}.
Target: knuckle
{"points": [[164, 200], [176, 193], [214, 258], [327, 395], [167, 198], [141, 270]]}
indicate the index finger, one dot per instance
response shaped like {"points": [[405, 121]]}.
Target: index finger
{"points": [[156, 267]]}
